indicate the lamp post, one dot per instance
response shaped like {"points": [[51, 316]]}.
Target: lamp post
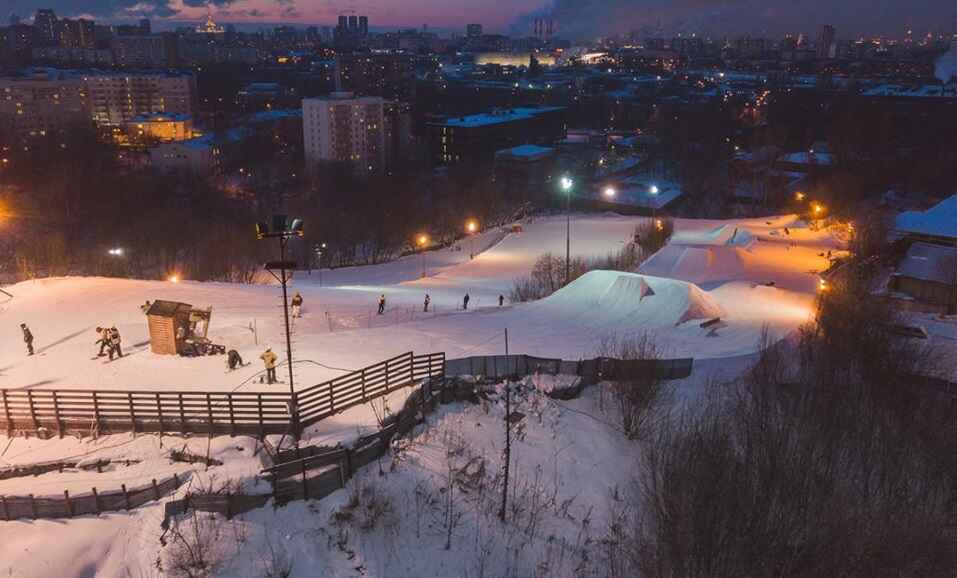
{"points": [[422, 240], [471, 227], [283, 228], [567, 184], [318, 247]]}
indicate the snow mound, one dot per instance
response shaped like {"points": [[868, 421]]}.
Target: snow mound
{"points": [[725, 235], [696, 264], [610, 299]]}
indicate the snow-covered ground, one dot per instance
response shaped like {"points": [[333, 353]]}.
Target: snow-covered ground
{"points": [[751, 273]]}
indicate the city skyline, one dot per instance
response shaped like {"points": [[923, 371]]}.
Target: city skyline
{"points": [[579, 20]]}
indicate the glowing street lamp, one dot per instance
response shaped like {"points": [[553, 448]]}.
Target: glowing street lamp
{"points": [[799, 196], [567, 185], [174, 278], [653, 190], [116, 251], [822, 285], [471, 227], [610, 192], [421, 241]]}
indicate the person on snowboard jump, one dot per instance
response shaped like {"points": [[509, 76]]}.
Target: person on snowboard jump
{"points": [[234, 360], [297, 305], [269, 360], [27, 338]]}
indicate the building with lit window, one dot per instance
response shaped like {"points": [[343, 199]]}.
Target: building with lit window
{"points": [[390, 75], [345, 128], [477, 137], [40, 101], [116, 99]]}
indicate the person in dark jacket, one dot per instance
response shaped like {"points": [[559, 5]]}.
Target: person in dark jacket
{"points": [[115, 347], [381, 304], [501, 300], [465, 302], [428, 301], [103, 341], [27, 338], [233, 359]]}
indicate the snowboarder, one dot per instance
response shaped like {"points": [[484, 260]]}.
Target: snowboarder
{"points": [[381, 304], [233, 359], [27, 338], [115, 347], [145, 307], [103, 341], [428, 301], [501, 300], [269, 360], [296, 305], [465, 302]]}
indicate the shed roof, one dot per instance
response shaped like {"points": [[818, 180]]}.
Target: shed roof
{"points": [[168, 308]]}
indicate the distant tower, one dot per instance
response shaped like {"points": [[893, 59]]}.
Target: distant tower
{"points": [[825, 43], [343, 22], [44, 22], [364, 25], [354, 23], [145, 26]]}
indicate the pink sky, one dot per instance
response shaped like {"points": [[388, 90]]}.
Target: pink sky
{"points": [[494, 16]]}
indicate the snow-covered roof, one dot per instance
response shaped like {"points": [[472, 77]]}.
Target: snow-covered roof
{"points": [[929, 262], [937, 221], [498, 117], [527, 151], [919, 91], [808, 158]]}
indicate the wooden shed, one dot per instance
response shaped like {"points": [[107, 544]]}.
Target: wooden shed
{"points": [[169, 326]]}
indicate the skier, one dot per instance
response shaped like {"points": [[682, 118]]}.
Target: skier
{"points": [[269, 360], [381, 304], [428, 301], [103, 341], [27, 338], [115, 340], [465, 302], [297, 305], [501, 300], [233, 359]]}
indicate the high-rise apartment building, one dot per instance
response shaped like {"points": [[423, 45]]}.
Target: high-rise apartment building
{"points": [[473, 30], [826, 45], [44, 23], [345, 128], [115, 98], [42, 102], [390, 75]]}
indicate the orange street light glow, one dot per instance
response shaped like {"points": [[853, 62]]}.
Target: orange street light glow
{"points": [[799, 196], [422, 240], [471, 226], [173, 278]]}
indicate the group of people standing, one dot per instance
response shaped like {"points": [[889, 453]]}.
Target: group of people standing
{"points": [[428, 303], [109, 341]]}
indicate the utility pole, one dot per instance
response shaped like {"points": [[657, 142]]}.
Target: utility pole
{"points": [[508, 434]]}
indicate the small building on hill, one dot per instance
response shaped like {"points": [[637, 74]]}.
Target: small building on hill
{"points": [[169, 326]]}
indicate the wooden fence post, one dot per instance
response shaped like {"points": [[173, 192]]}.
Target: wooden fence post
{"points": [[156, 492], [33, 507], [132, 411], [69, 506], [96, 412], [6, 512], [305, 486], [182, 413], [96, 501], [126, 497], [6, 413], [56, 415], [259, 404], [209, 411], [232, 419], [33, 412], [159, 412]]}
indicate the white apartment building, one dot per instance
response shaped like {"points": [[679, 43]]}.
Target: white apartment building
{"points": [[343, 128]]}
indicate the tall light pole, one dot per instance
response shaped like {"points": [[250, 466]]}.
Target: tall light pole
{"points": [[422, 240], [318, 247], [284, 228], [471, 227], [567, 185]]}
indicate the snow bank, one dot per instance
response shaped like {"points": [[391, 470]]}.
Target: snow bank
{"points": [[696, 264]]}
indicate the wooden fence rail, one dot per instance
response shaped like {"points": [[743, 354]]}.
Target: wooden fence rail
{"points": [[234, 413], [95, 502]]}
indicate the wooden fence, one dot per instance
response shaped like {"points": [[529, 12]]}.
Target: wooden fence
{"points": [[242, 413], [15, 507], [590, 370]]}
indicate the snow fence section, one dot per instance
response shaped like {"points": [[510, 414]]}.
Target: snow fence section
{"points": [[589, 370], [15, 507]]}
